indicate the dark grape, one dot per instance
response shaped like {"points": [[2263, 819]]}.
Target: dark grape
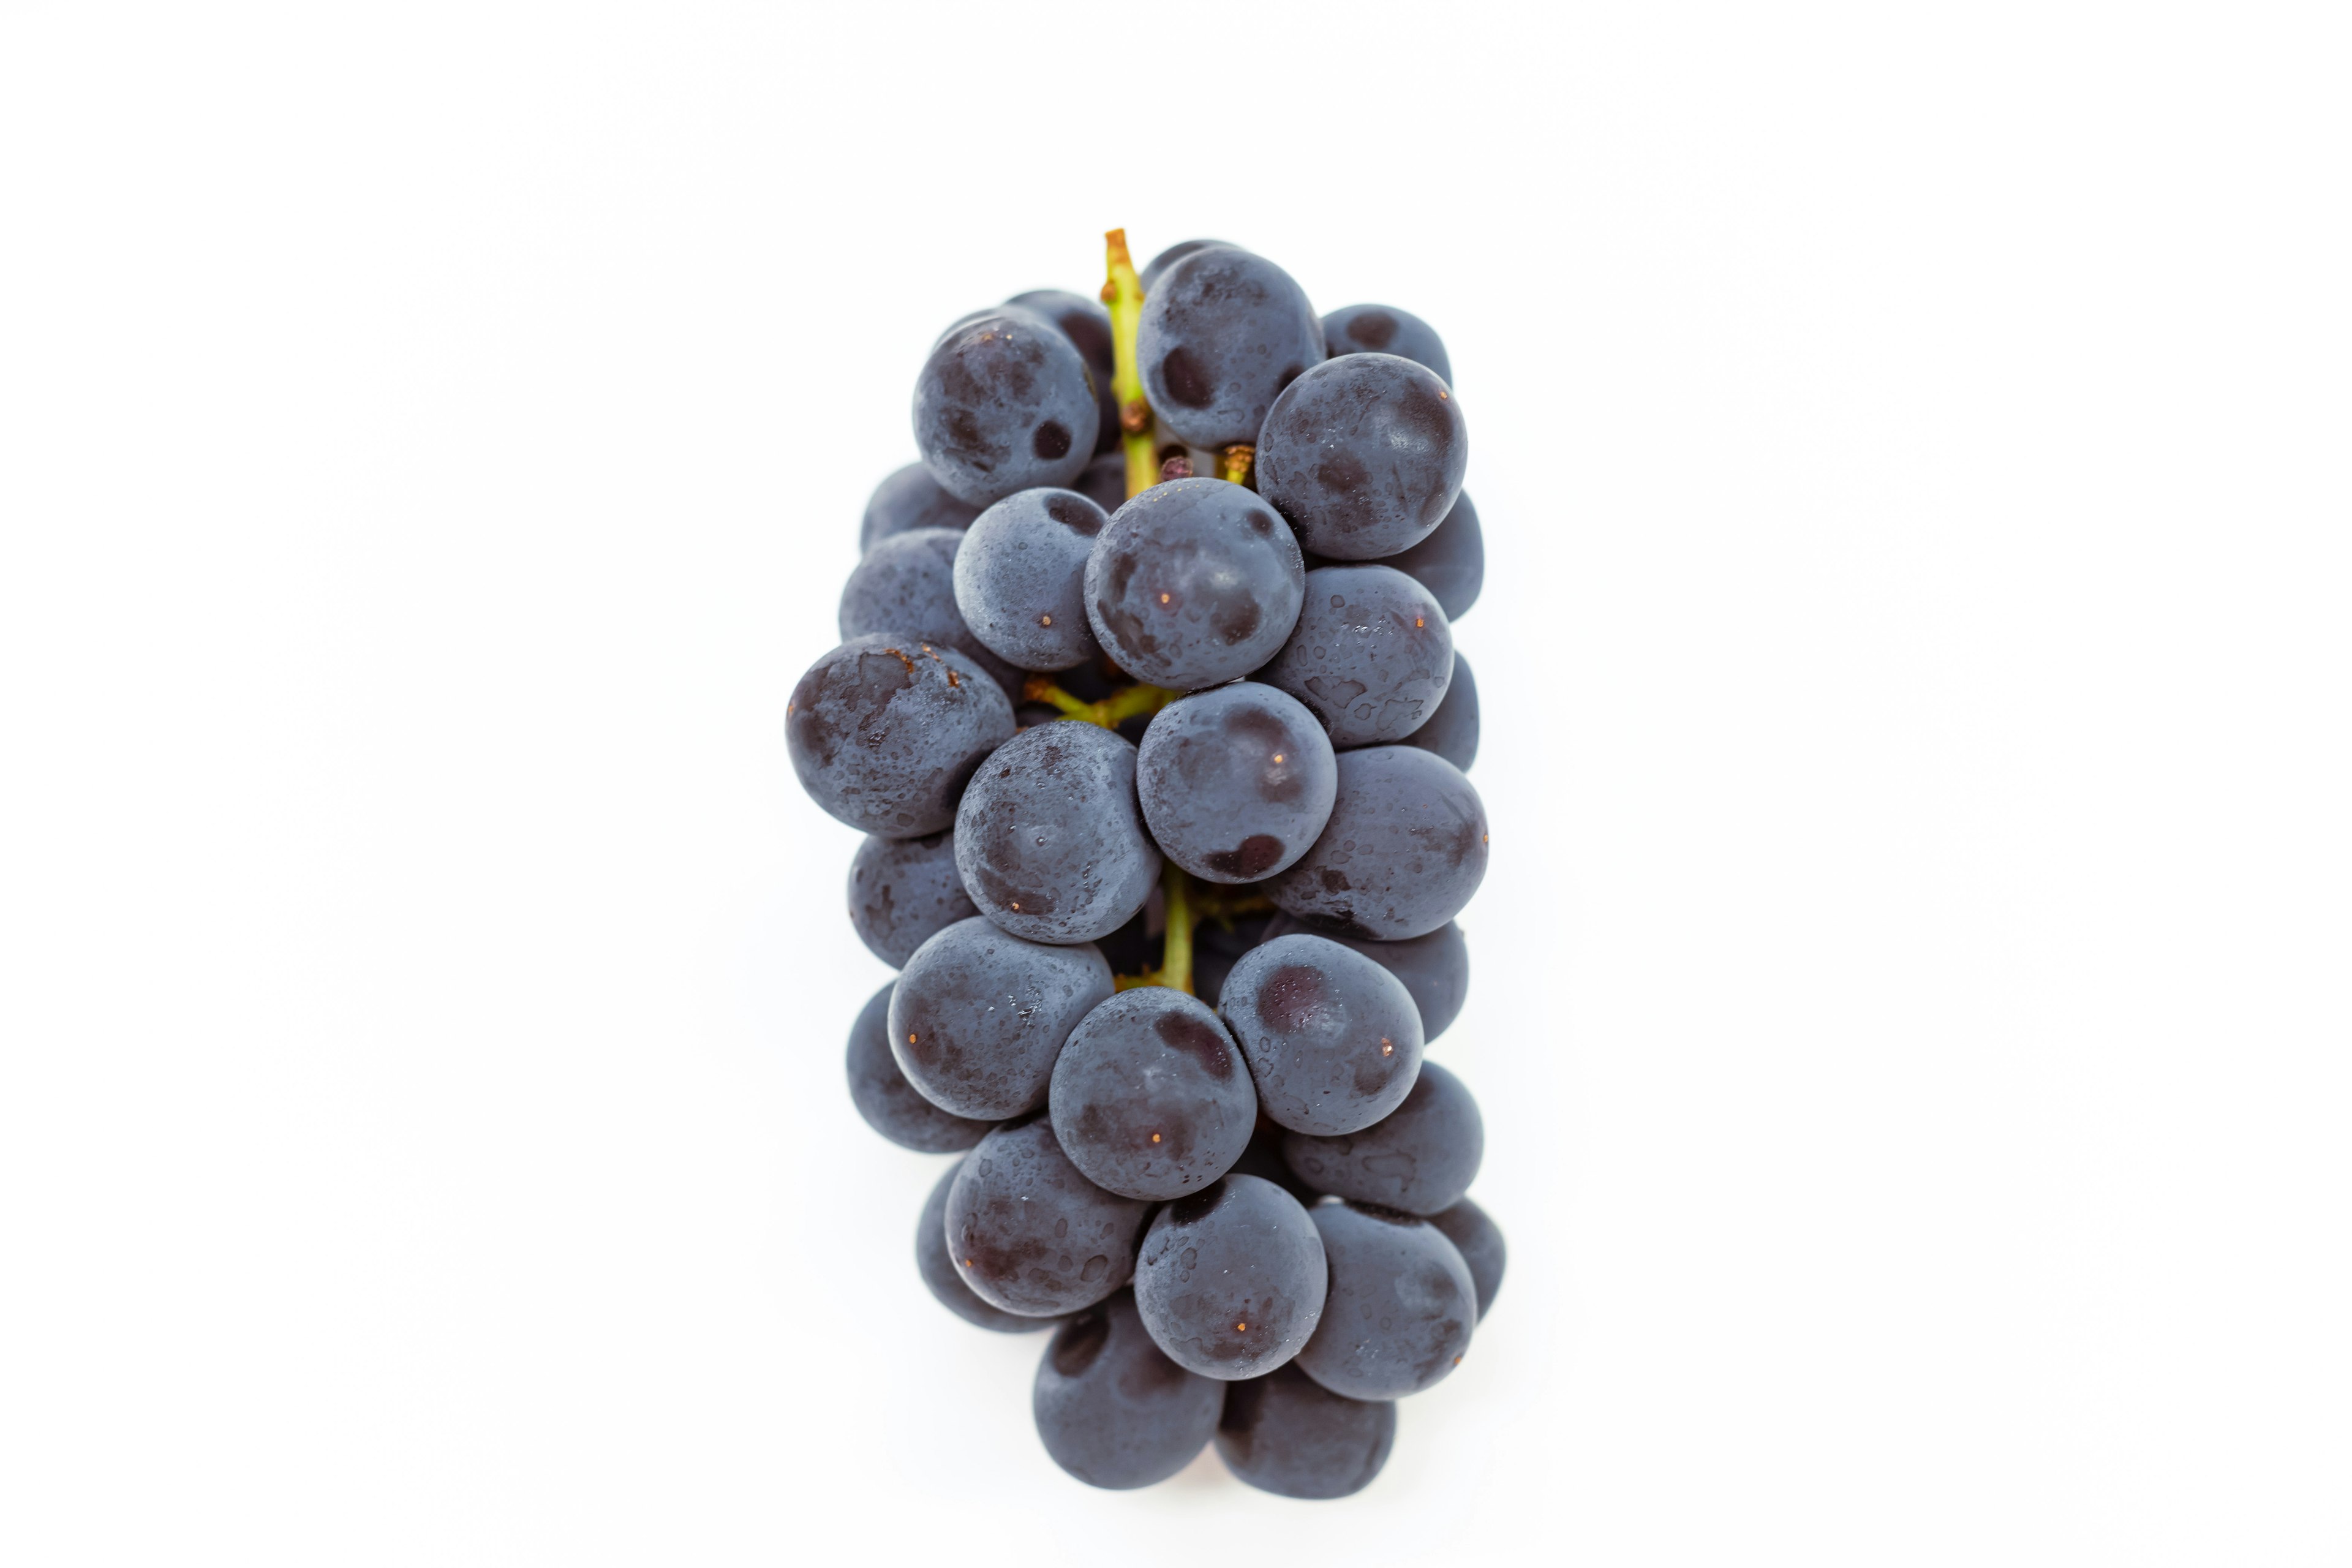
{"points": [[1480, 1242], [1288, 1435], [1452, 731], [1223, 333], [1217, 945], [1451, 563], [910, 499], [905, 586], [1004, 402], [1420, 1158], [1048, 837], [979, 1014], [1150, 1097], [1020, 578], [1230, 1281], [1371, 653], [1435, 968], [1103, 483], [1364, 454], [1404, 850], [904, 891], [887, 1102], [1235, 782], [1088, 326], [946, 1282], [1030, 1234], [1332, 1039], [1400, 1308], [883, 731], [1111, 1409], [1194, 583], [1263, 1159], [1385, 330], [1159, 264]]}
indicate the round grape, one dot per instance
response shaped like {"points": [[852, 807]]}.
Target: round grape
{"points": [[905, 586], [1048, 837], [979, 1014], [1004, 402], [1029, 1233], [1333, 1040], [1400, 1308], [1150, 1097], [1223, 333], [1288, 1435], [1235, 782], [1435, 968], [1364, 454], [942, 1278], [883, 731], [1385, 330], [1403, 852], [1088, 326], [1371, 653], [1111, 1409], [1452, 731], [1230, 1281], [1159, 265], [1480, 1242], [1451, 563], [904, 891], [1420, 1158], [1020, 578], [910, 499], [887, 1102], [1194, 583]]}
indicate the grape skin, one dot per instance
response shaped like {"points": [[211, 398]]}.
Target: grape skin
{"points": [[1364, 454], [979, 1014], [1435, 968], [1401, 1305], [943, 1279], [1480, 1242], [1235, 782], [1420, 1158], [905, 585], [1332, 1039], [910, 499], [1004, 402], [1088, 326], [1385, 330], [1224, 331], [1230, 1281], [1452, 731], [1020, 578], [890, 1105], [1288, 1435], [1114, 1411], [1371, 653], [1159, 265], [1048, 838], [1195, 582], [1406, 849], [903, 892], [1150, 1097], [1029, 1233], [1104, 482], [1451, 563], [883, 731]]}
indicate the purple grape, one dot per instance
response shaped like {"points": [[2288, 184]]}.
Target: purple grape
{"points": [[1403, 852], [905, 586], [979, 1014], [1088, 326], [1223, 333], [1420, 1158], [909, 500], [1020, 578], [1004, 402], [1194, 583], [1029, 1233], [1288, 1435], [1150, 1097], [1385, 330], [1370, 655], [1480, 1242], [1364, 454], [904, 891], [889, 1104], [1452, 731], [1111, 1409], [1332, 1039], [1435, 968], [1451, 563], [1230, 1281], [1048, 837], [1104, 484], [943, 1279], [1159, 265], [1235, 782], [883, 731], [1400, 1308]]}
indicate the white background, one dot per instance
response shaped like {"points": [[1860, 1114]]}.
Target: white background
{"points": [[1911, 1002]]}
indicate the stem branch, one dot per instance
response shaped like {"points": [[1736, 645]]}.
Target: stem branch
{"points": [[1122, 291]]}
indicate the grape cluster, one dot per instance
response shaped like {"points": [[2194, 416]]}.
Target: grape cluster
{"points": [[1148, 702]]}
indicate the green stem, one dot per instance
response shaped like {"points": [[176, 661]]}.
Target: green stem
{"points": [[1122, 291], [1176, 951], [1127, 702]]}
